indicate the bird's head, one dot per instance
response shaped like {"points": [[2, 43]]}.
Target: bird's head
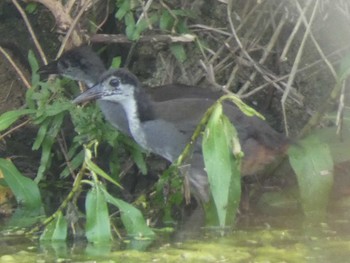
{"points": [[115, 85], [80, 63]]}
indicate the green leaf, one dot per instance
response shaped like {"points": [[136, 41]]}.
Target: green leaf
{"points": [[312, 162], [25, 190], [31, 8], [142, 25], [8, 118], [178, 51], [76, 162], [132, 218], [46, 145], [138, 158], [98, 228], [94, 168], [181, 27], [130, 26], [116, 62], [124, 8], [40, 137], [56, 230], [34, 65], [166, 21], [219, 140]]}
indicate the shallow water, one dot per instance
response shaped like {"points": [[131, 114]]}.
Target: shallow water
{"points": [[257, 239]]}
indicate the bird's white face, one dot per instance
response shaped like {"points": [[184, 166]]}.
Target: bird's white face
{"points": [[113, 89], [117, 86]]}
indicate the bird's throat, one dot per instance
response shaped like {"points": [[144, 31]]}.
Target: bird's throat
{"points": [[135, 124]]}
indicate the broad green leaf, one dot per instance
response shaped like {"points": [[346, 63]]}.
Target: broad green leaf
{"points": [[132, 218], [56, 230], [8, 118], [219, 140], [25, 190], [178, 51], [98, 228], [312, 162]]}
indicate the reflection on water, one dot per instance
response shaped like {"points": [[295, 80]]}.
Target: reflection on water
{"points": [[257, 238]]}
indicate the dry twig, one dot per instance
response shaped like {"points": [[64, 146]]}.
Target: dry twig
{"points": [[295, 67]]}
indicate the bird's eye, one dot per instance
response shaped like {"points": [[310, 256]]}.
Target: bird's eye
{"points": [[114, 82]]}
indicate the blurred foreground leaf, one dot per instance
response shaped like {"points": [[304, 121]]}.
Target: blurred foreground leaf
{"points": [[219, 140], [312, 162]]}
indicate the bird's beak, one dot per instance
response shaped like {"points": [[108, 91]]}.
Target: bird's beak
{"points": [[48, 69], [93, 93]]}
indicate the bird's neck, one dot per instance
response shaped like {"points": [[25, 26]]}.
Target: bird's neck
{"points": [[138, 110]]}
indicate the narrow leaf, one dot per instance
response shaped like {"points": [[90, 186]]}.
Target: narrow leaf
{"points": [[76, 162], [40, 137], [46, 146], [8, 118], [34, 65], [94, 168]]}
